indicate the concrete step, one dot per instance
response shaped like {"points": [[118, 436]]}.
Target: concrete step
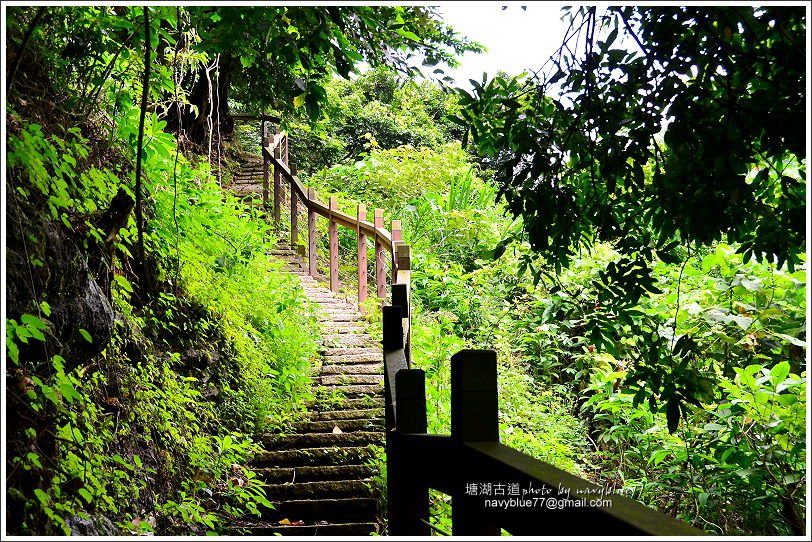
{"points": [[349, 414], [331, 455], [363, 424], [332, 351], [336, 489], [339, 340], [355, 391], [346, 379], [333, 510], [321, 440], [331, 328], [342, 359], [354, 369], [317, 529], [346, 403], [281, 475], [339, 316]]}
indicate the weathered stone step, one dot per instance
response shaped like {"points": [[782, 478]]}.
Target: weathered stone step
{"points": [[355, 390], [331, 455], [349, 414], [282, 475], [337, 340], [343, 327], [322, 490], [333, 351], [339, 316], [372, 357], [335, 510], [334, 306], [321, 440], [354, 368], [318, 529], [364, 424], [346, 379]]}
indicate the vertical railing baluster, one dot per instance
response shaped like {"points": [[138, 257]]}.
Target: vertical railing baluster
{"points": [[294, 214], [474, 418], [265, 169], [312, 260], [333, 239], [362, 256], [277, 184], [380, 255], [397, 238]]}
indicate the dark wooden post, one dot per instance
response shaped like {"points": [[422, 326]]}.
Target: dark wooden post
{"points": [[333, 239], [400, 298], [294, 215], [312, 262], [397, 238], [277, 185], [411, 491], [407, 491], [362, 256], [474, 418], [265, 169], [380, 262]]}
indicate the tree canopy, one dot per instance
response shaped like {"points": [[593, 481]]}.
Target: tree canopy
{"points": [[654, 126], [270, 57]]}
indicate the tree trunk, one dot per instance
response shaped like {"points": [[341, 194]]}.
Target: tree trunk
{"points": [[209, 101]]}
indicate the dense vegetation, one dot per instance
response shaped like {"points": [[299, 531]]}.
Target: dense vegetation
{"points": [[731, 334], [145, 355], [149, 338]]}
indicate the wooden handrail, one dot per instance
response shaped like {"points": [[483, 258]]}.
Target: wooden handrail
{"points": [[343, 219], [547, 501], [275, 154], [418, 461]]}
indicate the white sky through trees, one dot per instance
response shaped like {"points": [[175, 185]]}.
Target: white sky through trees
{"points": [[517, 39]]}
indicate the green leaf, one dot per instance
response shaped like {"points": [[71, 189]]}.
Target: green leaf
{"points": [[85, 494], [83, 332], [41, 496], [33, 322], [45, 308], [124, 283], [779, 372]]}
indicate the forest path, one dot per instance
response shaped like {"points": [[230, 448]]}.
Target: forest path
{"points": [[318, 476]]}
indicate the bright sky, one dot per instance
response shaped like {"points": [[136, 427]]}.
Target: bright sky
{"points": [[517, 39]]}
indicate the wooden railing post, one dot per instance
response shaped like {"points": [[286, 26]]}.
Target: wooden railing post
{"points": [[397, 237], [362, 256], [265, 169], [294, 214], [380, 262], [407, 491], [403, 259], [474, 418], [333, 239], [312, 262], [277, 185], [400, 298]]}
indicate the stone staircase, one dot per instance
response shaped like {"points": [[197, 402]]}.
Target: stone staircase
{"points": [[318, 476]]}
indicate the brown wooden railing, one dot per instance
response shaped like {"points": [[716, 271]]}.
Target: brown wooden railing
{"points": [[388, 244], [492, 486]]}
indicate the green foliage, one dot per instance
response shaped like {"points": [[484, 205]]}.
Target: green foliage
{"points": [[390, 178], [626, 145], [174, 426], [375, 111], [738, 461]]}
